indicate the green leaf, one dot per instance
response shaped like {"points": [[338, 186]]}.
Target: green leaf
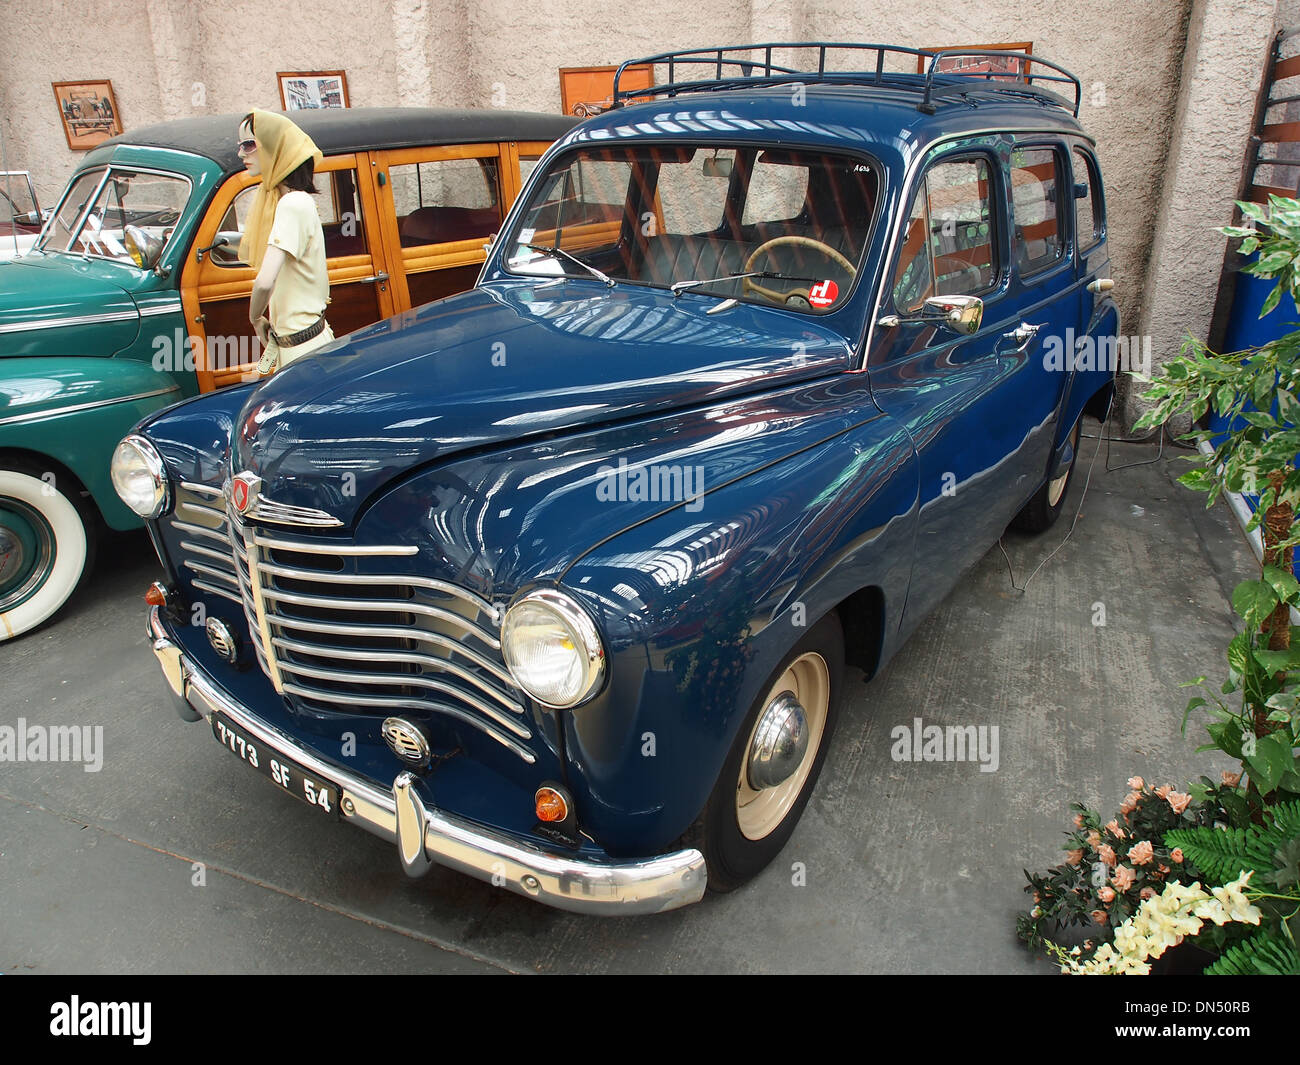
{"points": [[1253, 601], [1288, 407], [1239, 646], [1271, 759], [1265, 953], [1279, 661], [1226, 736], [1254, 211], [1271, 301], [1282, 582]]}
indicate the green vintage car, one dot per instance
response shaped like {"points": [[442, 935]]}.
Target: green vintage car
{"points": [[134, 298]]}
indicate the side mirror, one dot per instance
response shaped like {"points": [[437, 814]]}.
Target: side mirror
{"points": [[143, 249], [716, 167], [961, 314]]}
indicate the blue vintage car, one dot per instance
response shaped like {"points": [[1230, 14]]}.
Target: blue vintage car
{"points": [[554, 581]]}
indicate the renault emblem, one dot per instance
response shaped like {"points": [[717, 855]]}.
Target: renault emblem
{"points": [[244, 490]]}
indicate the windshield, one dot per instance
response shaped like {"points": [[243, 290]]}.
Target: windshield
{"points": [[149, 201], [775, 226]]}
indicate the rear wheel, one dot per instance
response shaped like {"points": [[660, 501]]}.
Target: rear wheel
{"points": [[46, 547], [1041, 512], [774, 763]]}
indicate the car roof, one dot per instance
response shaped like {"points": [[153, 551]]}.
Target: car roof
{"points": [[833, 116], [338, 130]]}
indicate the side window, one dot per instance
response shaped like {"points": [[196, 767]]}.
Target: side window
{"points": [[446, 200], [1087, 207], [948, 247], [337, 201], [1035, 192]]}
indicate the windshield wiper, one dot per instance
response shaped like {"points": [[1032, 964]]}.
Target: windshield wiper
{"points": [[573, 259], [678, 287]]}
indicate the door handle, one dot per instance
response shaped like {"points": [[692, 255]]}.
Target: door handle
{"points": [[1023, 333], [381, 276]]}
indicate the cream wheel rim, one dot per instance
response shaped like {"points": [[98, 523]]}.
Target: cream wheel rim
{"points": [[1056, 487], [758, 813]]}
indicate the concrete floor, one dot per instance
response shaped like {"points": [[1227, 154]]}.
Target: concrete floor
{"points": [[911, 867]]}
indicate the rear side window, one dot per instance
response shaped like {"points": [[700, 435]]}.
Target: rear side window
{"points": [[1087, 202], [948, 247], [1035, 193]]}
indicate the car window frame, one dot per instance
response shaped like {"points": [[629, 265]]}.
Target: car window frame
{"points": [[1064, 219], [1096, 194], [999, 236]]}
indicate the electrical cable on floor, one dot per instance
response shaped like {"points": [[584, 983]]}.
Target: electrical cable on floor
{"points": [[1077, 512]]}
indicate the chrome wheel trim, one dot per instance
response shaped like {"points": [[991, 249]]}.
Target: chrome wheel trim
{"points": [[41, 563], [808, 680]]}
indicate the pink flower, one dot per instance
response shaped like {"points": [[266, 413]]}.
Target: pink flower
{"points": [[1074, 857], [1164, 790], [1107, 895], [1136, 783], [1100, 917], [1175, 856], [1094, 838], [1231, 779], [1141, 853], [1130, 802], [1147, 893], [1113, 828], [1123, 878], [1078, 820], [1107, 854], [1178, 801]]}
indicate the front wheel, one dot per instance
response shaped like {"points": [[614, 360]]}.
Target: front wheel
{"points": [[773, 765], [46, 548]]}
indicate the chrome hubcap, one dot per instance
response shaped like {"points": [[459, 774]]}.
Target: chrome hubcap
{"points": [[791, 726], [1056, 487], [11, 555], [780, 742]]}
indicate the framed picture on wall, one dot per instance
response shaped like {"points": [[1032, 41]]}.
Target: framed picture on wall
{"points": [[587, 91], [89, 112], [980, 64], [310, 90]]}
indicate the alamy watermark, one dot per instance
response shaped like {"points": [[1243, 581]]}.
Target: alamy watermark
{"points": [[53, 743], [1087, 352], [182, 353], [669, 483], [954, 743], [102, 1018]]}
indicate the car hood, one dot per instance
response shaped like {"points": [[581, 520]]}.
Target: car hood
{"points": [[505, 363], [59, 305]]}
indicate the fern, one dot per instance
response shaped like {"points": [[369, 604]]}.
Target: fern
{"points": [[1264, 954], [1224, 854]]}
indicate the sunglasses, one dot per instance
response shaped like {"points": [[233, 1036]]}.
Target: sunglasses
{"points": [[247, 146]]}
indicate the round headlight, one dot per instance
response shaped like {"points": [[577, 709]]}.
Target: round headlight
{"points": [[553, 649], [138, 476]]}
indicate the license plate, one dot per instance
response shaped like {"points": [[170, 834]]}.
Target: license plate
{"points": [[293, 778]]}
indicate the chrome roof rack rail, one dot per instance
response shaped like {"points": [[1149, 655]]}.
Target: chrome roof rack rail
{"points": [[737, 67]]}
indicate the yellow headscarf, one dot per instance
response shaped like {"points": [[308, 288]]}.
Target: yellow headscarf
{"points": [[281, 148]]}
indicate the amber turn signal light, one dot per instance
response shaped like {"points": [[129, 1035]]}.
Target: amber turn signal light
{"points": [[156, 595], [551, 805]]}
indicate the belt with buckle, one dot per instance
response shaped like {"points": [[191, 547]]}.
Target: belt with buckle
{"points": [[303, 335]]}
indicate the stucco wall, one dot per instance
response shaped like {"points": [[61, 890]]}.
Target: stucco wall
{"points": [[169, 58]]}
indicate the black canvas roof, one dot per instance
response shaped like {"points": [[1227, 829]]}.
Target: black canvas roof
{"points": [[353, 129]]}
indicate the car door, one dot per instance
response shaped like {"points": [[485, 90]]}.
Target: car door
{"points": [[968, 401], [216, 286]]}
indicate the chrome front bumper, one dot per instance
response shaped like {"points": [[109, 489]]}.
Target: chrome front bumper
{"points": [[424, 834]]}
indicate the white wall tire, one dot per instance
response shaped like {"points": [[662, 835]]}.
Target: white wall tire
{"points": [[47, 544]]}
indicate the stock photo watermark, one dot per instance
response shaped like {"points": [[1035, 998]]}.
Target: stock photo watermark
{"points": [[1069, 351], [919, 742], [670, 483], [53, 743]]}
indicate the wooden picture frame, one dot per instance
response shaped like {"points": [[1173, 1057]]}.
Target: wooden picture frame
{"points": [[586, 91], [310, 90], [978, 64], [89, 112]]}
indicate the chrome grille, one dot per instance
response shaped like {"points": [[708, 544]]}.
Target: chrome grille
{"points": [[336, 626]]}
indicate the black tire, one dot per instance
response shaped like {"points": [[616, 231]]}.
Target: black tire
{"points": [[1041, 512], [731, 855], [49, 535]]}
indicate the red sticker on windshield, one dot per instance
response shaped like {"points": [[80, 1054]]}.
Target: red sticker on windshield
{"points": [[824, 293]]}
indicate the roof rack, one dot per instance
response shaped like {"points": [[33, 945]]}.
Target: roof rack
{"points": [[735, 67]]}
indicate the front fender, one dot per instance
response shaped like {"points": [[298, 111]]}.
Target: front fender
{"points": [[74, 412]]}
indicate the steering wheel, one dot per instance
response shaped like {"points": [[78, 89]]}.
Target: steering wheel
{"points": [[748, 285]]}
